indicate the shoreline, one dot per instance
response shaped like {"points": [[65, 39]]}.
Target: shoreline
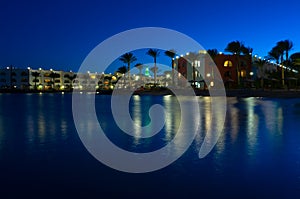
{"points": [[241, 93]]}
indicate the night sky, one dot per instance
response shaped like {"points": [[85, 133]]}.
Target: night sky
{"points": [[60, 34]]}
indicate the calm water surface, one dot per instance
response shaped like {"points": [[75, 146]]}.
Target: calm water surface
{"points": [[257, 155]]}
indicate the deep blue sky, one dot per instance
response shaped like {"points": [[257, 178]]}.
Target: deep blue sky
{"points": [[60, 34]]}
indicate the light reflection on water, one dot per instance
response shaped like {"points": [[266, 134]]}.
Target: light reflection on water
{"points": [[260, 141]]}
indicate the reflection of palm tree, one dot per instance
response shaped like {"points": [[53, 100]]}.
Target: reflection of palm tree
{"points": [[128, 58], [171, 54], [35, 75], [260, 64], [154, 53]]}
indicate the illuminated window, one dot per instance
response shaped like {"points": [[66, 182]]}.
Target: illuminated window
{"points": [[227, 63], [243, 73]]}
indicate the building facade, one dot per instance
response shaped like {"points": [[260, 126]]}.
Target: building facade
{"points": [[234, 70], [14, 78]]}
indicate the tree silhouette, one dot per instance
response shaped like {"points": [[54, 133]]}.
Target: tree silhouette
{"points": [[171, 54], [128, 58], [35, 74], [154, 53], [260, 64], [237, 48]]}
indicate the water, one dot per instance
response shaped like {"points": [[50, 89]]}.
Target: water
{"points": [[257, 155]]}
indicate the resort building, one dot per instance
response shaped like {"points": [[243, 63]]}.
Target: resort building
{"points": [[191, 67], [195, 67], [14, 78], [235, 69], [50, 79]]}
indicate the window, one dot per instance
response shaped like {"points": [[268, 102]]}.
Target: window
{"points": [[24, 80], [227, 74], [227, 63], [243, 73], [243, 63], [24, 73]]}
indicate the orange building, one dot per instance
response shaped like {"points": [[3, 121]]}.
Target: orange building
{"points": [[234, 69], [232, 73]]}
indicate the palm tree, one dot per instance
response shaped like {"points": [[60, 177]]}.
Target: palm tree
{"points": [[171, 54], [274, 54], [35, 74], [53, 75], [122, 70], [281, 47], [236, 48], [212, 53], [295, 59], [140, 67], [71, 78], [128, 58], [260, 64], [288, 45], [154, 53], [192, 57]]}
